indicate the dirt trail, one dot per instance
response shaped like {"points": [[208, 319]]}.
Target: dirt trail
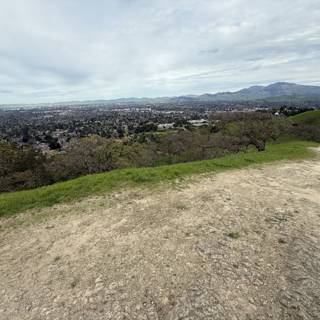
{"points": [[237, 245]]}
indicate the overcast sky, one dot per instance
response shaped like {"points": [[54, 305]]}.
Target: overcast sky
{"points": [[58, 50]]}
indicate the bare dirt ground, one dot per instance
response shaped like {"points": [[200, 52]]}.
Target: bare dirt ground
{"points": [[237, 245]]}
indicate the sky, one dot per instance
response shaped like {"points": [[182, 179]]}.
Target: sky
{"points": [[66, 50]]}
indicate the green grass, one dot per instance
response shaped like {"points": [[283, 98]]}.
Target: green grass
{"points": [[234, 235], [15, 202], [162, 133], [309, 117]]}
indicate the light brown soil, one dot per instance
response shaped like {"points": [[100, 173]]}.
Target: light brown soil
{"points": [[238, 245]]}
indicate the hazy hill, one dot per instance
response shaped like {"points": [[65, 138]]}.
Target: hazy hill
{"points": [[280, 91]]}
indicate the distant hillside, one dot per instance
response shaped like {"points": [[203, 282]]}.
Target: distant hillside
{"points": [[276, 92], [309, 117], [279, 89]]}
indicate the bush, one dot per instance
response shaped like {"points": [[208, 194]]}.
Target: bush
{"points": [[21, 168], [306, 132]]}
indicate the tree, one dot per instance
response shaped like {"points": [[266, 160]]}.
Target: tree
{"points": [[21, 168]]}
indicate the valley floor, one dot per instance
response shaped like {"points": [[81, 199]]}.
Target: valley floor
{"points": [[235, 245]]}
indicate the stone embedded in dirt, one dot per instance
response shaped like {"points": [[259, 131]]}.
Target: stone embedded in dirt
{"points": [[98, 280], [74, 283]]}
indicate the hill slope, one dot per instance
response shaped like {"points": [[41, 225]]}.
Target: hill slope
{"points": [[15, 202], [238, 245], [309, 117]]}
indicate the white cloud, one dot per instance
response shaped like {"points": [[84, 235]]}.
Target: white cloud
{"points": [[78, 49]]}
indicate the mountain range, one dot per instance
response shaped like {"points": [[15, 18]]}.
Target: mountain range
{"points": [[283, 90], [280, 91]]}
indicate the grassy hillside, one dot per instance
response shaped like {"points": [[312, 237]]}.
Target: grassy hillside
{"points": [[309, 117], [12, 203]]}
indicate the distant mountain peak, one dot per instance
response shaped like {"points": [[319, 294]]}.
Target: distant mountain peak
{"points": [[282, 84], [277, 89]]}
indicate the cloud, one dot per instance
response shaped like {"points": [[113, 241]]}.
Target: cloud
{"points": [[77, 49]]}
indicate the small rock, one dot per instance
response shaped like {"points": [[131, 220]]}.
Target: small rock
{"points": [[98, 280], [88, 293]]}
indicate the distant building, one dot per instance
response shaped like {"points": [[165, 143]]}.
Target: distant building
{"points": [[165, 126], [198, 123]]}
